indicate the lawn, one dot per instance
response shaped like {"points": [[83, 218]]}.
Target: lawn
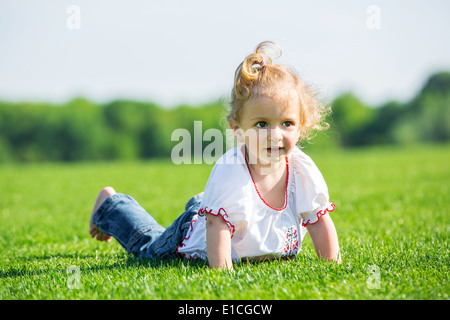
{"points": [[390, 217]]}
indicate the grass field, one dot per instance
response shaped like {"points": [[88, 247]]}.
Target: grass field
{"points": [[391, 219]]}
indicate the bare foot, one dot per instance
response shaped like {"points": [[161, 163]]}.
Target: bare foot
{"points": [[93, 230]]}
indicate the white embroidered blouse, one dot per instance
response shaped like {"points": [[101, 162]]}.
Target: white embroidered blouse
{"points": [[257, 229]]}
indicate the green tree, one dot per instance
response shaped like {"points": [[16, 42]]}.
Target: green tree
{"points": [[427, 116], [350, 117]]}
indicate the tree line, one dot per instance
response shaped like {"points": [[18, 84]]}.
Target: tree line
{"points": [[81, 130]]}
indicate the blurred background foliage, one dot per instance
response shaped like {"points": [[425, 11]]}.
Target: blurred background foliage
{"points": [[80, 130]]}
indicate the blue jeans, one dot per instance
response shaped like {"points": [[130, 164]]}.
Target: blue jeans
{"points": [[138, 232]]}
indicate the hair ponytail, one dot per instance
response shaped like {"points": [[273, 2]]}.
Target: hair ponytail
{"points": [[251, 69]]}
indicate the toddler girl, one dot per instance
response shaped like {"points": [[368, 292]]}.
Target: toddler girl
{"points": [[260, 199]]}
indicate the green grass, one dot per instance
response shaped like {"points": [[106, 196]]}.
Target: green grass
{"points": [[391, 216]]}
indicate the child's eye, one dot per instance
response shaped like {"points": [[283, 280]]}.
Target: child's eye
{"points": [[287, 123], [261, 124]]}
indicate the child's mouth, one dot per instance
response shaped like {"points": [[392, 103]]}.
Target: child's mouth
{"points": [[274, 150]]}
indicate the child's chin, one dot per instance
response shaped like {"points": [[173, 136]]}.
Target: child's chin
{"points": [[272, 157], [274, 153]]}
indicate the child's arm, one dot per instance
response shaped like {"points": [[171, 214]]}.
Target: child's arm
{"points": [[324, 237], [218, 243]]}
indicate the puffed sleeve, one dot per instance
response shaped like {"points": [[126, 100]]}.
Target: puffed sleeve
{"points": [[311, 192], [225, 192]]}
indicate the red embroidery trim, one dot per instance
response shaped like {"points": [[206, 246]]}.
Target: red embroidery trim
{"points": [[201, 213], [224, 215], [285, 191], [188, 236], [319, 214]]}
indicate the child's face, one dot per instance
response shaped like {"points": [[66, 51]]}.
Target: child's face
{"points": [[270, 129]]}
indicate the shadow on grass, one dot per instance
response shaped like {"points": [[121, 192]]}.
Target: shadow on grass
{"points": [[164, 263], [91, 263]]}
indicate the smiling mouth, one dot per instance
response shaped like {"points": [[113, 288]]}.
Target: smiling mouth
{"points": [[275, 150]]}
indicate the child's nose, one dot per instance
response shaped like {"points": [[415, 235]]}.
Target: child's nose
{"points": [[275, 134]]}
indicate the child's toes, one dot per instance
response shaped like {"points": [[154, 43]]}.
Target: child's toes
{"points": [[103, 237], [93, 232]]}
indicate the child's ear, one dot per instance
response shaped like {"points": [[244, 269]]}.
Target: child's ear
{"points": [[237, 131]]}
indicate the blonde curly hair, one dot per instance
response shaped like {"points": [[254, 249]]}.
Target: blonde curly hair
{"points": [[257, 77]]}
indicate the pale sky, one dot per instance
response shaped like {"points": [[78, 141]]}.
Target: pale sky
{"points": [[172, 52]]}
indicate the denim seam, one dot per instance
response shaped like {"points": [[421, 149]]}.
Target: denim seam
{"points": [[137, 235]]}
